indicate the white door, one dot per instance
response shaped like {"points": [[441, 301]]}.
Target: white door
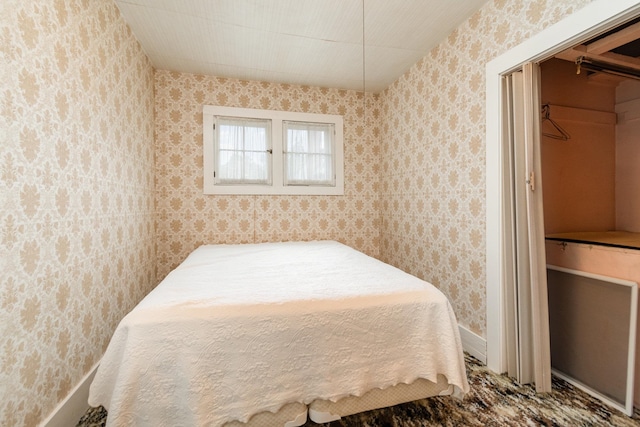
{"points": [[528, 351]]}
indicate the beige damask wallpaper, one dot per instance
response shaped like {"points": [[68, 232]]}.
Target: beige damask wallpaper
{"points": [[97, 194], [433, 150], [187, 218], [77, 239]]}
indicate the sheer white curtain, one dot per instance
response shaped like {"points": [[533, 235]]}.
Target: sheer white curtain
{"points": [[308, 154], [243, 147]]}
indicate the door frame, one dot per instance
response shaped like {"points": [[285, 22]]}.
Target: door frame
{"points": [[595, 18]]}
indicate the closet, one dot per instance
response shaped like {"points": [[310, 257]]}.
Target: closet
{"points": [[590, 150]]}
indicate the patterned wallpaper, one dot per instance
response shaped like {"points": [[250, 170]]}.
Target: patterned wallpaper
{"points": [[86, 215], [433, 150], [77, 244], [187, 218]]}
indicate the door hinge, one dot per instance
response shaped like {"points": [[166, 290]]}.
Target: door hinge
{"points": [[532, 181]]}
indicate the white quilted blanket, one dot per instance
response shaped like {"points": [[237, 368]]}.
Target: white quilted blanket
{"points": [[239, 329]]}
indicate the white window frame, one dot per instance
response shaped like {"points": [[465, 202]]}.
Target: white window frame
{"points": [[277, 185]]}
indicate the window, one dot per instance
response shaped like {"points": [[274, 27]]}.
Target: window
{"points": [[308, 153], [242, 146], [251, 151]]}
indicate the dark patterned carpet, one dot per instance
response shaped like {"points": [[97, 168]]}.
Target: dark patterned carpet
{"points": [[494, 400]]}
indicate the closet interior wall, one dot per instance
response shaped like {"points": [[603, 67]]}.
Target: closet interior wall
{"points": [[579, 174], [591, 183]]}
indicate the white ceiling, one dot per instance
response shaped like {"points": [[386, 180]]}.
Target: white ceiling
{"points": [[309, 42]]}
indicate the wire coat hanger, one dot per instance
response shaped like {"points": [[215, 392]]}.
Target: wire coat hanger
{"points": [[562, 134]]}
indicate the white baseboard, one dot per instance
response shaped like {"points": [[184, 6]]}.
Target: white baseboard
{"points": [[73, 407], [473, 344]]}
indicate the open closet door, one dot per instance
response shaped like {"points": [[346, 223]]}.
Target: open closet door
{"points": [[528, 354]]}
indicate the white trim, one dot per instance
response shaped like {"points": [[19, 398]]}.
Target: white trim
{"points": [[587, 22], [473, 344], [594, 393], [74, 406]]}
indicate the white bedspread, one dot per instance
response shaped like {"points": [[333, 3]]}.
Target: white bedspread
{"points": [[239, 329]]}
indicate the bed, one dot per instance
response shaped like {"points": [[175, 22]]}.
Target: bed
{"points": [[268, 334]]}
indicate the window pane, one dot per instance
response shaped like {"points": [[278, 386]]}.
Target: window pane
{"points": [[307, 169], [242, 146], [230, 165], [255, 166], [308, 153], [230, 137], [255, 138], [309, 137]]}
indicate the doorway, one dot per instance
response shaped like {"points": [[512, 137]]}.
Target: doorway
{"points": [[589, 154], [594, 19]]}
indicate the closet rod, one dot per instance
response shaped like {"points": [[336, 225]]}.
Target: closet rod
{"points": [[604, 67]]}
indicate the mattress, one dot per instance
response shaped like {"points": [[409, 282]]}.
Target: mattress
{"points": [[240, 331], [324, 411]]}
